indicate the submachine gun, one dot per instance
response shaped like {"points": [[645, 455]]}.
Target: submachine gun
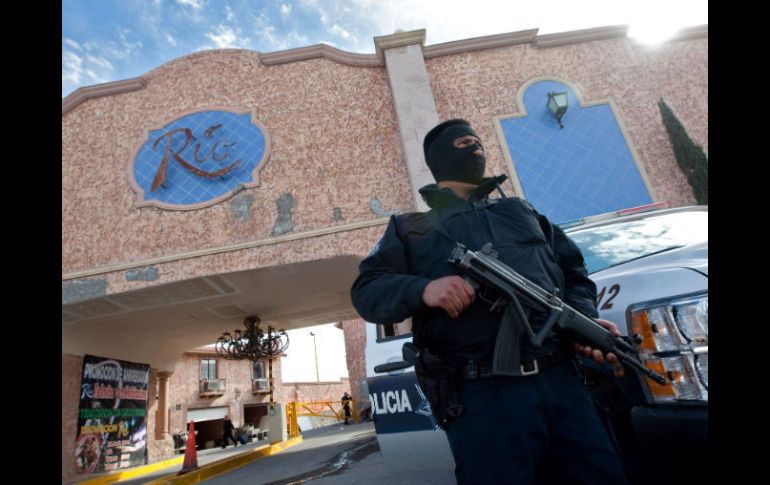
{"points": [[515, 290]]}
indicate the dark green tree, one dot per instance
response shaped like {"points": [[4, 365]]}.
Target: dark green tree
{"points": [[690, 157]]}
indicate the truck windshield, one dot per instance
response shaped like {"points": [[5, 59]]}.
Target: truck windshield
{"points": [[614, 244]]}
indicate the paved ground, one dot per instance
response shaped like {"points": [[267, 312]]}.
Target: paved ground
{"points": [[334, 455], [372, 469]]}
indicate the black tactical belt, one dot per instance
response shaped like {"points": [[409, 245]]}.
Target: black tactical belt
{"points": [[473, 370]]}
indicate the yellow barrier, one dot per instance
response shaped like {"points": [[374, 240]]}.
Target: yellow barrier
{"points": [[324, 409], [291, 420]]}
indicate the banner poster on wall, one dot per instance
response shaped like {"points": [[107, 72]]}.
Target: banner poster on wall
{"points": [[112, 417]]}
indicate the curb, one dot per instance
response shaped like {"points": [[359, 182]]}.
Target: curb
{"points": [[135, 473], [202, 473], [220, 467]]}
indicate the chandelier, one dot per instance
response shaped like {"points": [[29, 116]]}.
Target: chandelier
{"points": [[253, 343]]}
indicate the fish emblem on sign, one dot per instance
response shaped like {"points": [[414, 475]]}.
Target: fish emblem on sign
{"points": [[199, 159]]}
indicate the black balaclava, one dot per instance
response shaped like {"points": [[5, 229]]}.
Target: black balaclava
{"points": [[447, 162]]}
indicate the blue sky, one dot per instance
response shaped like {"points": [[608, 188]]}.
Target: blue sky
{"points": [[110, 40]]}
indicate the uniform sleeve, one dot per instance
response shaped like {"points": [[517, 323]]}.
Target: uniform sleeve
{"points": [[579, 291], [384, 291]]}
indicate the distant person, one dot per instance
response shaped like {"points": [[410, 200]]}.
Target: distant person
{"points": [[346, 398], [228, 432]]}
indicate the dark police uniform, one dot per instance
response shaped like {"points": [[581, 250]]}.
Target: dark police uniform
{"points": [[527, 429]]}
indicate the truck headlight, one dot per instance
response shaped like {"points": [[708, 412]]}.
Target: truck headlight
{"points": [[682, 380], [702, 366], [692, 317], [675, 344]]}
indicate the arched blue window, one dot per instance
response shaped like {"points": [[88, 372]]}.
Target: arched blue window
{"points": [[583, 169]]}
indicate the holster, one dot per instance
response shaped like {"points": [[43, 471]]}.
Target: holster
{"points": [[438, 380]]}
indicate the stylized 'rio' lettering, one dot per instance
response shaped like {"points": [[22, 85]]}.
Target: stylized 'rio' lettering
{"points": [[160, 176]]}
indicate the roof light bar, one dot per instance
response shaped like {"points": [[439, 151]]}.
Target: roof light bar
{"points": [[613, 215]]}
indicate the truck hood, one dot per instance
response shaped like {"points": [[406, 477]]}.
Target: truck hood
{"points": [[694, 257], [661, 276]]}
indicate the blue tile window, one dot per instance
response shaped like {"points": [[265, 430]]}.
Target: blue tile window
{"points": [[584, 169], [221, 138]]}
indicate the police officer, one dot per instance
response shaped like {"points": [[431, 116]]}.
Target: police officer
{"points": [[537, 428]]}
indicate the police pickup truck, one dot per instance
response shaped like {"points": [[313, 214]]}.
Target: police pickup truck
{"points": [[650, 266]]}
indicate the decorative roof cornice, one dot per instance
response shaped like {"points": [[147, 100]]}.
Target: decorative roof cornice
{"points": [[320, 50], [479, 43], [576, 36], [692, 33], [600, 33], [82, 94]]}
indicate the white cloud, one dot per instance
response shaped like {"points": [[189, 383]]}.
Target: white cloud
{"points": [[83, 71], [72, 68], [71, 43], [170, 39], [225, 37], [193, 10], [195, 4], [100, 62], [285, 9], [229, 13], [123, 50], [94, 61], [269, 39], [337, 30], [287, 40], [91, 74]]}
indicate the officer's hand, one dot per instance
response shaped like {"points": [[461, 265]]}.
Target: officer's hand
{"points": [[596, 354], [452, 293]]}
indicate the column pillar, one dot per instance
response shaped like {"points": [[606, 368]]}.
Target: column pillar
{"points": [[161, 428], [413, 100]]}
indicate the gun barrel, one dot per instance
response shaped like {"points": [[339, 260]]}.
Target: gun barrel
{"points": [[631, 362]]}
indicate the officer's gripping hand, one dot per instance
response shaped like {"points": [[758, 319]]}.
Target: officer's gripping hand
{"points": [[452, 293], [596, 354]]}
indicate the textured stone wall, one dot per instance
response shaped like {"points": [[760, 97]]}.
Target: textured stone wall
{"points": [[335, 147], [315, 391], [184, 387]]}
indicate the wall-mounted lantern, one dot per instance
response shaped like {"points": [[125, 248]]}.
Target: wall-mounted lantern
{"points": [[557, 103]]}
